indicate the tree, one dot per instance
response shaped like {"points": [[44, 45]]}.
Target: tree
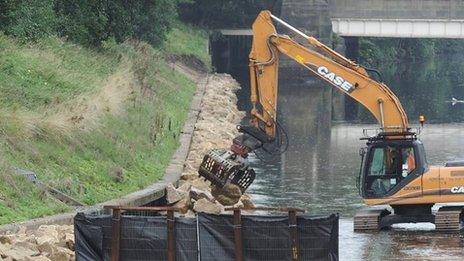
{"points": [[90, 22], [225, 13], [27, 19], [83, 21], [145, 20]]}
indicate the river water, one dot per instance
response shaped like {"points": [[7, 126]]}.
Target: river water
{"points": [[322, 180]]}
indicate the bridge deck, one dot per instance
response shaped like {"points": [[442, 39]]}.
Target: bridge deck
{"points": [[415, 28]]}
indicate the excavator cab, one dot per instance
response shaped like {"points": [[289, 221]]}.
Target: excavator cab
{"points": [[388, 165]]}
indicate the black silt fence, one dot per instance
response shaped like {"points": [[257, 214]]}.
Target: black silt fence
{"points": [[206, 237]]}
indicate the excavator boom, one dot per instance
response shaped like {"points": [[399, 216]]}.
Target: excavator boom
{"points": [[324, 63], [222, 166]]}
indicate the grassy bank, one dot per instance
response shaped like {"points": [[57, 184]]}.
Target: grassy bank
{"points": [[95, 124]]}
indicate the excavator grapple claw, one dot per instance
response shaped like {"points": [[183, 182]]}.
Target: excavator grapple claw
{"points": [[222, 167]]}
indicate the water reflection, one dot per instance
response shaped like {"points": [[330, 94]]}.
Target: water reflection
{"points": [[330, 187], [423, 73], [330, 180], [304, 100], [325, 174], [405, 242]]}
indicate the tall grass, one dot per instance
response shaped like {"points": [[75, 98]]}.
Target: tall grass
{"points": [[48, 72], [19, 200], [188, 40], [123, 151]]}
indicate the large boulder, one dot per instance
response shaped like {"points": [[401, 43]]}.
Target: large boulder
{"points": [[185, 187], [206, 206], [183, 204], [47, 247], [189, 214], [197, 194], [46, 239], [247, 202], [6, 239], [26, 245], [3, 249], [200, 183], [228, 195], [47, 233], [67, 241], [172, 195], [189, 176], [62, 254], [20, 253]]}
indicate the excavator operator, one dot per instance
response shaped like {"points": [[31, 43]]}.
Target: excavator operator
{"points": [[409, 162]]}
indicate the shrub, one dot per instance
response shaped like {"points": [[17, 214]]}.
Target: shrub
{"points": [[225, 13], [83, 21], [90, 22], [28, 19]]}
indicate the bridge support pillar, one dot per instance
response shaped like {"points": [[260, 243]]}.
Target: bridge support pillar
{"points": [[352, 53], [338, 97], [305, 101]]}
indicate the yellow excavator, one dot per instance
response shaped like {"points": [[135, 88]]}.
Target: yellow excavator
{"points": [[394, 169]]}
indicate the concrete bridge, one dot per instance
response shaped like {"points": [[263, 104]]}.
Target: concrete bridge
{"points": [[381, 18], [371, 18], [398, 18]]}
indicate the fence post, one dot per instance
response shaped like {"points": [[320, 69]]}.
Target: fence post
{"points": [[238, 235], [171, 236], [292, 225], [115, 234]]}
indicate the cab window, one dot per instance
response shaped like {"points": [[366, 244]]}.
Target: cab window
{"points": [[408, 161], [384, 161], [388, 167]]}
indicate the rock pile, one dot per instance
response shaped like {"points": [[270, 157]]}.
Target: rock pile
{"points": [[215, 129], [46, 243], [216, 125]]}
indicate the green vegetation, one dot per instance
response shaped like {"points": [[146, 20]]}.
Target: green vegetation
{"points": [[89, 22], [92, 22], [18, 201], [49, 71], [224, 13], [28, 19], [424, 73], [48, 123], [181, 41]]}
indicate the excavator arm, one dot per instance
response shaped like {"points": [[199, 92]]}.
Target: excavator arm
{"points": [[323, 62], [222, 166]]}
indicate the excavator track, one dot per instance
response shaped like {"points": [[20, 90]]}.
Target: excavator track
{"points": [[369, 219], [448, 219]]}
